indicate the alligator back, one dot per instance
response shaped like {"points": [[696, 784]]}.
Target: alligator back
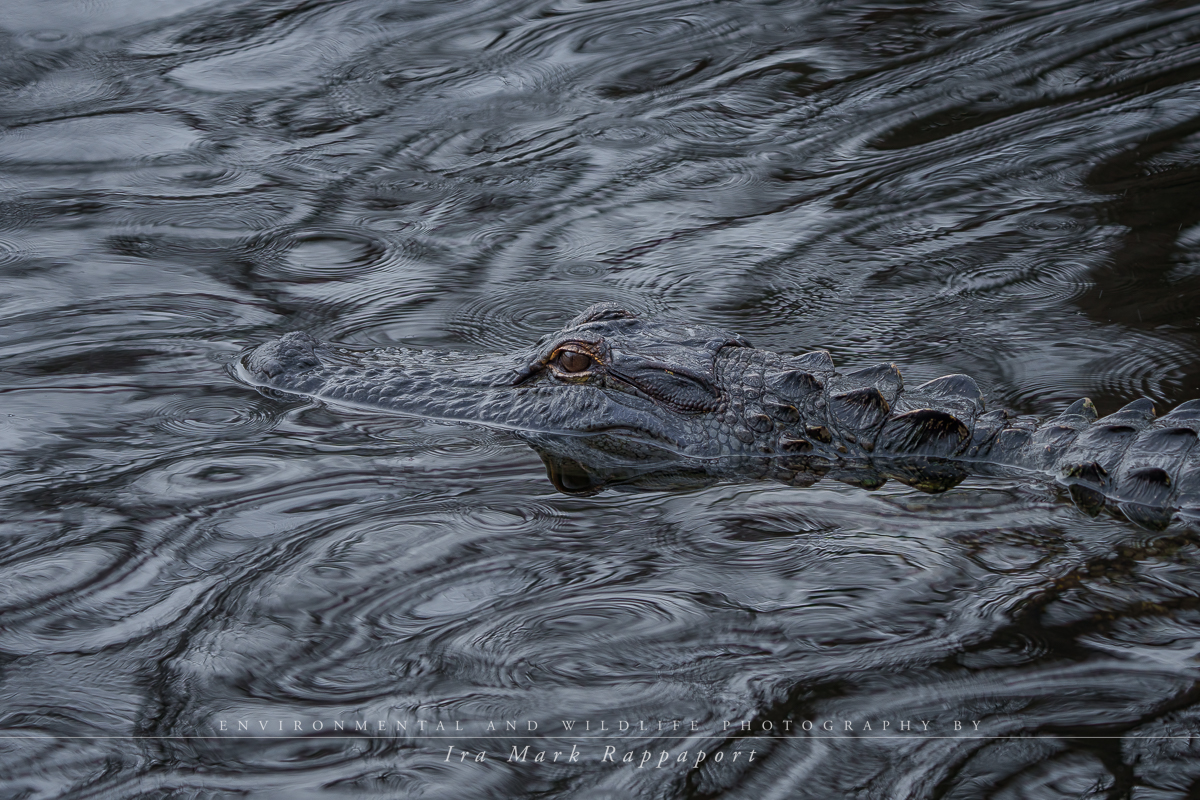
{"points": [[863, 427]]}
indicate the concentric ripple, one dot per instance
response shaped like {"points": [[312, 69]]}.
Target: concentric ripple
{"points": [[14, 251], [519, 315], [189, 569], [1046, 283], [326, 255], [214, 416]]}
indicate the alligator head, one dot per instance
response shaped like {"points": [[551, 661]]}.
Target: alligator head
{"points": [[606, 374]]}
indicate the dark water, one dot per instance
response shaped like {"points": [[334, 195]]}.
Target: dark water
{"points": [[1004, 189]]}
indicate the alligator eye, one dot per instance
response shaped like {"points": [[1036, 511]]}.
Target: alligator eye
{"points": [[570, 361]]}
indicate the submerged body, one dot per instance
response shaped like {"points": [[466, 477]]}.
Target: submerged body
{"points": [[613, 398]]}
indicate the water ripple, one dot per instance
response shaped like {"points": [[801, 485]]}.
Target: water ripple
{"points": [[212, 417], [519, 315], [994, 188]]}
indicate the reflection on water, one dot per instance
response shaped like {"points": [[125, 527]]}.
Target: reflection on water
{"points": [[1000, 189]]}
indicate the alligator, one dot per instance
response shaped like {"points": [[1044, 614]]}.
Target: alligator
{"points": [[614, 399]]}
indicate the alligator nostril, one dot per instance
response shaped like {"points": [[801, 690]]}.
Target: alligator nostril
{"points": [[270, 367]]}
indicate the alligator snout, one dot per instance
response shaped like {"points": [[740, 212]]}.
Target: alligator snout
{"points": [[292, 354]]}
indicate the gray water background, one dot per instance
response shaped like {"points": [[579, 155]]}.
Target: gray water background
{"points": [[1005, 189]]}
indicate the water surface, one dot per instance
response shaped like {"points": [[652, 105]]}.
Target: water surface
{"points": [[1002, 189]]}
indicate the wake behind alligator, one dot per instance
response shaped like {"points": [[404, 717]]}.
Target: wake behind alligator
{"points": [[613, 399]]}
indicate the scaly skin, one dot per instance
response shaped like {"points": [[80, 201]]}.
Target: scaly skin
{"points": [[612, 398]]}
